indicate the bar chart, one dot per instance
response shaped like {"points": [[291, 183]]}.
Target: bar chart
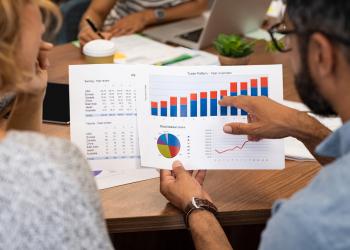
{"points": [[206, 103]]}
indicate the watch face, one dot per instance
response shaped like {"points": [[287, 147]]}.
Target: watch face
{"points": [[196, 202], [160, 14]]}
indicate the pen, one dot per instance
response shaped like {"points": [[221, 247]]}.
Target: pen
{"points": [[175, 60], [93, 27]]}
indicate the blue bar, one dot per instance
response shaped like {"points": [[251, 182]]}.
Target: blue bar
{"points": [[264, 91], [233, 109], [254, 92], [154, 111], [164, 112], [193, 108], [183, 110], [244, 92], [213, 107], [204, 107], [223, 111], [173, 111]]}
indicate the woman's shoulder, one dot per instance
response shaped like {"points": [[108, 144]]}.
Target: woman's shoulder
{"points": [[41, 151], [34, 142]]}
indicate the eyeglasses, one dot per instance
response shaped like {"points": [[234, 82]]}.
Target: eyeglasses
{"points": [[281, 29]]}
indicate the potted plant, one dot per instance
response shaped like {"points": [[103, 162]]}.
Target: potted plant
{"points": [[233, 49]]}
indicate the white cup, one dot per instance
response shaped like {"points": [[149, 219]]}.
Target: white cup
{"points": [[99, 51]]}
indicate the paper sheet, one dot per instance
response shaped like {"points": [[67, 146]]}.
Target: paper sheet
{"points": [[103, 122], [178, 107], [137, 49]]}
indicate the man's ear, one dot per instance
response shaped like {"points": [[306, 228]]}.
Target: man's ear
{"points": [[321, 58]]}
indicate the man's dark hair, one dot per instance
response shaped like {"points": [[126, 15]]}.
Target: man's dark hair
{"points": [[330, 17]]}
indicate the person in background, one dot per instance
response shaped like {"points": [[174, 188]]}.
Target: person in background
{"points": [[117, 18], [318, 216], [48, 197]]}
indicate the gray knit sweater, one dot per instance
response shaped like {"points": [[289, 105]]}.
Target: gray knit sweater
{"points": [[48, 198]]}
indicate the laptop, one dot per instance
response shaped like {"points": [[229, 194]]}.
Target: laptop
{"points": [[225, 16]]}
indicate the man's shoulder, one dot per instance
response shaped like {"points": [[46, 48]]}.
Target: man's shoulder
{"points": [[316, 216]]}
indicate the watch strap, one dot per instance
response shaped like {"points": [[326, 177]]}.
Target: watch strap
{"points": [[199, 204]]}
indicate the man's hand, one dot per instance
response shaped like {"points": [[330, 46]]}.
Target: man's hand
{"points": [[86, 35], [179, 185], [132, 23], [266, 119]]}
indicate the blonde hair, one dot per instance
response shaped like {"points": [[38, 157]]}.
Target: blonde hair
{"points": [[10, 14]]}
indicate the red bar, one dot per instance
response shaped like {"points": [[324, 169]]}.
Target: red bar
{"points": [[183, 101], [254, 83], [264, 82], [163, 104], [193, 97], [173, 101], [203, 95], [233, 87], [154, 105], [244, 85], [223, 93], [213, 94]]}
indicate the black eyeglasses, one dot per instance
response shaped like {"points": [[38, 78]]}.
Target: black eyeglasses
{"points": [[281, 29]]}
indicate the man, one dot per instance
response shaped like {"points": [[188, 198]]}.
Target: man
{"points": [[317, 217], [124, 17]]}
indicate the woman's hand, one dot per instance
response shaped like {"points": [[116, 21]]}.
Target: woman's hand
{"points": [[132, 23], [38, 82]]}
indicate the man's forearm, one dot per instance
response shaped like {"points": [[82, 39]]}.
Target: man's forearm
{"points": [[311, 132], [26, 113], [206, 232]]}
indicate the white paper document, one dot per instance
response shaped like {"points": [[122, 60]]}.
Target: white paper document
{"points": [[103, 122], [137, 49], [179, 117]]}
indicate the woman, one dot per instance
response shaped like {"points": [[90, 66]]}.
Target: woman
{"points": [[48, 199], [123, 17]]}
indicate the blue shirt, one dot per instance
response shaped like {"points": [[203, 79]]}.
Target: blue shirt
{"points": [[317, 217]]}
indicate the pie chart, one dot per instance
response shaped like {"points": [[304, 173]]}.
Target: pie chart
{"points": [[168, 145]]}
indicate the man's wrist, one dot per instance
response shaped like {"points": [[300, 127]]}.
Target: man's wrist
{"points": [[199, 215], [308, 129]]}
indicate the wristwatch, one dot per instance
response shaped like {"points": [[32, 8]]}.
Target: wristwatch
{"points": [[159, 14], [199, 204]]}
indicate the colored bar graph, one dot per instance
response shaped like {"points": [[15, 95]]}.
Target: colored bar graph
{"points": [[173, 106], [187, 106], [193, 102], [183, 106], [244, 91], [264, 86], [254, 87], [164, 108], [233, 92], [204, 103], [223, 110], [154, 108], [213, 103]]}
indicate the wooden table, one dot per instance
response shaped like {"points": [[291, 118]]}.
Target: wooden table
{"points": [[243, 197]]}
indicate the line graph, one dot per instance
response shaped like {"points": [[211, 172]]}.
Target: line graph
{"points": [[231, 149]]}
